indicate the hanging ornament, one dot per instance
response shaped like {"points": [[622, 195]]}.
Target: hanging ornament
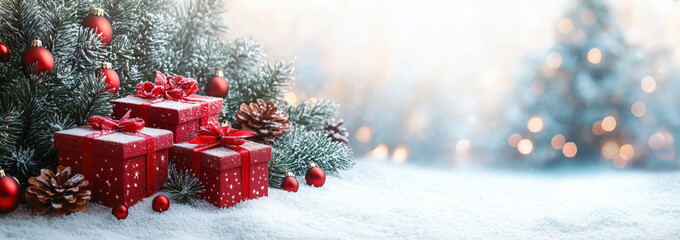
{"points": [[4, 52], [217, 86], [112, 79], [160, 203], [120, 212], [37, 55], [9, 193], [290, 183], [315, 175], [96, 20]]}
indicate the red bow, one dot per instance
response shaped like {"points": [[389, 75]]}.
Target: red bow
{"points": [[173, 87], [212, 136], [125, 124]]}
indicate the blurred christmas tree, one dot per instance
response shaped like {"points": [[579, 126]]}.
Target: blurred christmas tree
{"points": [[594, 98]]}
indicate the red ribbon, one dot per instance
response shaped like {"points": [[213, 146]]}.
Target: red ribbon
{"points": [[213, 136], [175, 88], [126, 125]]}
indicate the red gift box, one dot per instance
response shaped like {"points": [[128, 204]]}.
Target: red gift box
{"points": [[182, 117], [169, 104], [224, 171], [117, 163]]}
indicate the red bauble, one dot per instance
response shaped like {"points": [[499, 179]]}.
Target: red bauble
{"points": [[96, 20], [120, 212], [4, 52], [37, 55], [9, 193], [217, 86], [290, 183], [160, 203], [112, 79], [315, 176]]}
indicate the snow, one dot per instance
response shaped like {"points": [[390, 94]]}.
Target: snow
{"points": [[379, 200]]}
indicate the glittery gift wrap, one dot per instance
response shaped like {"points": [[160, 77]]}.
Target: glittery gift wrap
{"points": [[221, 171], [119, 168], [183, 117]]}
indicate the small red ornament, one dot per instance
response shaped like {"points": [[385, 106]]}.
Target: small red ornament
{"points": [[120, 212], [315, 176], [160, 203], [96, 20], [9, 193], [112, 79], [4, 52], [38, 55], [290, 183], [217, 86]]}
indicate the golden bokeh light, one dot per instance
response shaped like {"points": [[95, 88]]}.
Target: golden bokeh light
{"points": [[525, 146], [291, 98], [609, 124], [569, 150], [661, 139], [648, 84], [638, 109], [379, 152], [594, 56], [463, 146], [363, 134], [514, 139], [610, 149], [565, 26], [554, 60], [597, 128], [619, 162], [535, 124], [627, 152], [400, 154], [558, 141]]}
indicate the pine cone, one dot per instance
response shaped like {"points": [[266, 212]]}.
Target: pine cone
{"points": [[62, 192], [264, 119], [336, 131]]}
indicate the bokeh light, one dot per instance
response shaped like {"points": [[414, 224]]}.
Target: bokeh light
{"points": [[627, 152], [463, 146], [609, 124], [291, 98], [588, 17], [648, 84], [525, 146], [597, 128], [558, 141], [379, 152], [569, 150], [554, 60], [565, 26], [363, 134], [619, 162], [610, 149], [514, 139], [535, 124], [400, 154], [594, 56], [638, 109]]}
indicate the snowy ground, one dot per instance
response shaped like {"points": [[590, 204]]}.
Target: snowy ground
{"points": [[378, 201]]}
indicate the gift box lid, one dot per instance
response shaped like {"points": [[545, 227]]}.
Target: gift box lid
{"points": [[222, 158], [169, 110], [115, 145]]}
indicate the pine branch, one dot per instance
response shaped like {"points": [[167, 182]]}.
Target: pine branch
{"points": [[184, 186], [21, 163], [268, 84], [299, 147], [312, 114]]}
